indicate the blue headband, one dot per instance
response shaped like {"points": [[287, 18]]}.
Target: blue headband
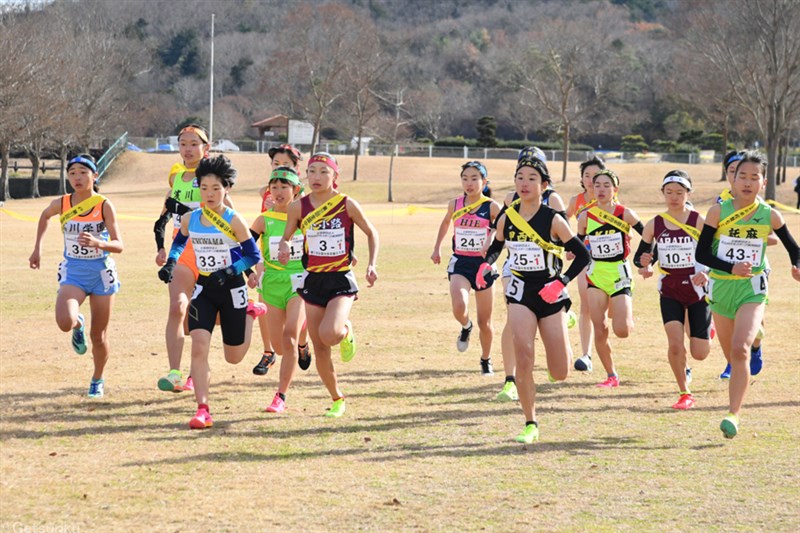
{"points": [[738, 156], [83, 161], [476, 164]]}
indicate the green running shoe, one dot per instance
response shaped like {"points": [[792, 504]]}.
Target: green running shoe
{"points": [[337, 409], [508, 393], [347, 347], [171, 382], [529, 434], [79, 337], [730, 426]]}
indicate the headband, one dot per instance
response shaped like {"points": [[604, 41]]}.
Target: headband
{"points": [[738, 156], [286, 174], [475, 164], [674, 178], [325, 158], [610, 173], [286, 148], [83, 161], [197, 131], [532, 152], [536, 164]]}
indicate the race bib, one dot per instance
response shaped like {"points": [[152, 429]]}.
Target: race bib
{"points": [[325, 242], [211, 257], [676, 255], [295, 248], [525, 256], [62, 271], [737, 250], [759, 283], [624, 276], [606, 246], [515, 288], [470, 240], [197, 290], [176, 218], [239, 297], [76, 251], [298, 280], [109, 275]]}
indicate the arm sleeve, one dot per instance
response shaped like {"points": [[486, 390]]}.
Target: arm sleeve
{"points": [[250, 256], [493, 225], [158, 230], [639, 227], [174, 206], [790, 245], [178, 244], [704, 254], [576, 246], [494, 251], [644, 248]]}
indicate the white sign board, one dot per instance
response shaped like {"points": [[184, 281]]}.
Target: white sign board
{"points": [[300, 132]]}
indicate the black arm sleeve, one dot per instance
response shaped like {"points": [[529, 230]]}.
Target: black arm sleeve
{"points": [[493, 224], [563, 215], [494, 251], [255, 234], [158, 230], [174, 206], [704, 254], [644, 248], [639, 227], [788, 243], [575, 245]]}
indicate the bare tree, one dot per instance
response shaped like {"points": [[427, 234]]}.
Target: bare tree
{"points": [[754, 46]]}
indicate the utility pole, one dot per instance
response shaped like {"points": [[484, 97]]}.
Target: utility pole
{"points": [[211, 91]]}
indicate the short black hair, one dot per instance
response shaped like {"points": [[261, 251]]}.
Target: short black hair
{"points": [[753, 156], [220, 167], [595, 161]]}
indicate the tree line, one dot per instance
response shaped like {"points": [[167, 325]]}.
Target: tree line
{"points": [[677, 74]]}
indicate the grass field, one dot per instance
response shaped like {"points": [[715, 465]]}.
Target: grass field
{"points": [[423, 446]]}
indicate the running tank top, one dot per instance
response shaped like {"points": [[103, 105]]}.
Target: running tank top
{"points": [[274, 226], [471, 229], [676, 248], [329, 240], [744, 240], [213, 250], [91, 222], [607, 243], [526, 259], [185, 192]]}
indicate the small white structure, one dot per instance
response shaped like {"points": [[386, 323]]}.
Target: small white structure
{"points": [[364, 144], [300, 132]]}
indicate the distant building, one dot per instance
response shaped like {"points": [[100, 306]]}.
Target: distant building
{"points": [[270, 128]]}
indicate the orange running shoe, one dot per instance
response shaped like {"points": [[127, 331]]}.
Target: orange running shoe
{"points": [[686, 401]]}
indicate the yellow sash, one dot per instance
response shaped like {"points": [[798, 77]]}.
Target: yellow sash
{"points": [[319, 212], [526, 228], [220, 223], [275, 215], [466, 209], [691, 231], [735, 217], [611, 219], [590, 204], [82, 208], [783, 207], [726, 195]]}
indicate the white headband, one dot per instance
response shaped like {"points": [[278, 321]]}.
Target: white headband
{"points": [[672, 178]]}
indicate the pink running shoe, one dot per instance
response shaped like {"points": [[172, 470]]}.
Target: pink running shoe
{"points": [[686, 401], [277, 405], [610, 383], [189, 385], [201, 420], [713, 332], [256, 309]]}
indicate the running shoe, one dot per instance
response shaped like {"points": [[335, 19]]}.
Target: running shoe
{"points": [[256, 309], [686, 401], [756, 361], [337, 409], [79, 336], [726, 374], [347, 348], [96, 388], [730, 426], [572, 319], [189, 385], [303, 357], [610, 383], [263, 366], [584, 363], [201, 420], [713, 332], [486, 367], [277, 405], [508, 393], [760, 333], [529, 434], [462, 343], [171, 382], [688, 375]]}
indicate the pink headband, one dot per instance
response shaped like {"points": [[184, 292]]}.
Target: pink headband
{"points": [[326, 159]]}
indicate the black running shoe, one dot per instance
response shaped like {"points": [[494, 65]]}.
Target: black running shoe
{"points": [[263, 366], [486, 367], [462, 343], [303, 357]]}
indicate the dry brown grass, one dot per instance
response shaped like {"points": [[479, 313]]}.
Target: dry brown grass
{"points": [[423, 446]]}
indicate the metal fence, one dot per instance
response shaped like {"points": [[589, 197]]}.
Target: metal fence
{"points": [[111, 154]]}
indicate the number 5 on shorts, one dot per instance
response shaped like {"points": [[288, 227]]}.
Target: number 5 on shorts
{"points": [[515, 288]]}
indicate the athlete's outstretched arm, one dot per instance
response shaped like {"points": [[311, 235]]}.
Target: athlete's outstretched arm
{"points": [[47, 213], [357, 215], [436, 256]]}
